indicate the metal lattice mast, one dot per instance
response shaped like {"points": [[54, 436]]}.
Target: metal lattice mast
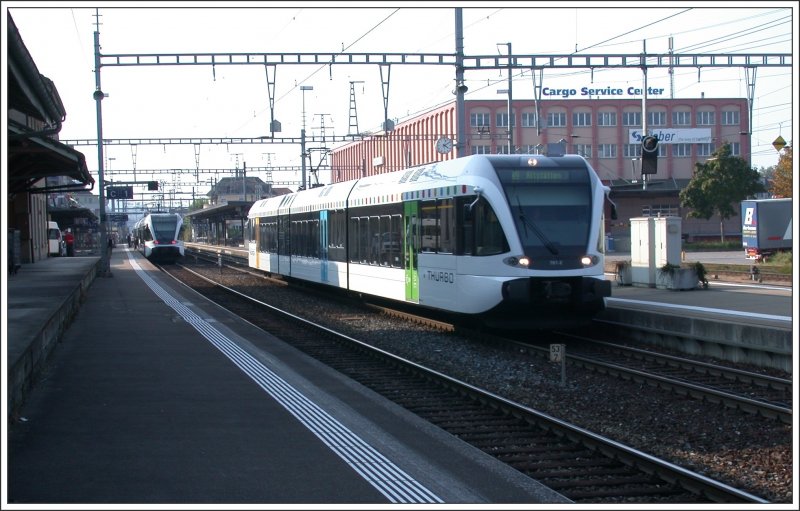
{"points": [[353, 110]]}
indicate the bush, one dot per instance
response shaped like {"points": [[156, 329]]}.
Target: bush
{"points": [[780, 259], [712, 246]]}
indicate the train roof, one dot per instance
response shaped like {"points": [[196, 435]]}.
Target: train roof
{"points": [[380, 188], [446, 178], [152, 214]]}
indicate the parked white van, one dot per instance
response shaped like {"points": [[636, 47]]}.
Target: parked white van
{"points": [[55, 240]]}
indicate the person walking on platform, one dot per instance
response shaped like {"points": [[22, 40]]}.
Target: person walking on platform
{"points": [[69, 239], [110, 245]]}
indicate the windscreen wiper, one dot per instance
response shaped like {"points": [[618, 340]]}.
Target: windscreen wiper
{"points": [[528, 223]]}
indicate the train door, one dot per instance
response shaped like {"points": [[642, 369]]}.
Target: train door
{"points": [[410, 246], [253, 238], [323, 245]]}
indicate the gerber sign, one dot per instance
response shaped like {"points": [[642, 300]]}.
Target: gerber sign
{"points": [[673, 136]]}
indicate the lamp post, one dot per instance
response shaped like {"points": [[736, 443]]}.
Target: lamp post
{"points": [[98, 95], [303, 89]]}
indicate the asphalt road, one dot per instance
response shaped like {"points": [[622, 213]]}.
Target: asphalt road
{"points": [[721, 257]]}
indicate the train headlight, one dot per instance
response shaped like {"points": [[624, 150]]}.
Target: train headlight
{"points": [[517, 262], [589, 260]]}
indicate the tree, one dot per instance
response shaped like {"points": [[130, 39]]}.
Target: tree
{"points": [[719, 183], [767, 174], [782, 178]]}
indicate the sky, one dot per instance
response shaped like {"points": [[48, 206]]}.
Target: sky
{"points": [[233, 101]]}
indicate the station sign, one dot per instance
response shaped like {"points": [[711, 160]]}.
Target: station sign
{"points": [[119, 192]]}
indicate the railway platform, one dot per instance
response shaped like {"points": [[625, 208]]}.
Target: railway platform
{"points": [[732, 319], [151, 394]]}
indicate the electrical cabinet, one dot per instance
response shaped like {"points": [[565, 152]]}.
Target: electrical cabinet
{"points": [[655, 241]]}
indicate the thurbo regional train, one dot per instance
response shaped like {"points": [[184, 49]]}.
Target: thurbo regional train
{"points": [[513, 240], [160, 236]]}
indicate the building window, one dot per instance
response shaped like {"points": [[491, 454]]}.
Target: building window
{"points": [[682, 150], [681, 118], [705, 118], [656, 118], [705, 149], [584, 150], [501, 120], [632, 150], [581, 118], [660, 210], [479, 120], [530, 149], [607, 150], [502, 149], [481, 149], [607, 119], [556, 119], [736, 149], [528, 119], [632, 119], [730, 118]]}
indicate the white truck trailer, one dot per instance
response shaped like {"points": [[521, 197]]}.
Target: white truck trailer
{"points": [[766, 227]]}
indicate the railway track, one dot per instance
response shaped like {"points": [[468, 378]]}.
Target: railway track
{"points": [[743, 390], [583, 466]]}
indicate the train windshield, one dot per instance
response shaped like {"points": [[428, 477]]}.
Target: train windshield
{"points": [[551, 208], [164, 228]]}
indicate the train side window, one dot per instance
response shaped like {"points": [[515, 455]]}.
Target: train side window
{"points": [[430, 226], [395, 247], [370, 240], [273, 238], [336, 236], [306, 239], [447, 226], [489, 236], [314, 240], [293, 241], [284, 241], [299, 242], [465, 239], [355, 225]]}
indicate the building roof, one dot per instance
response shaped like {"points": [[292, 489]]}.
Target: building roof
{"points": [[31, 158], [28, 91], [33, 154], [234, 185]]}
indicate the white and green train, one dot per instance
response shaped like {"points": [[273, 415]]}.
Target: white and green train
{"points": [[160, 236], [514, 240]]}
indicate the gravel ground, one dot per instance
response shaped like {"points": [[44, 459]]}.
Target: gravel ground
{"points": [[745, 451]]}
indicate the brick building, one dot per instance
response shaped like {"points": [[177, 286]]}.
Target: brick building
{"points": [[603, 130]]}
